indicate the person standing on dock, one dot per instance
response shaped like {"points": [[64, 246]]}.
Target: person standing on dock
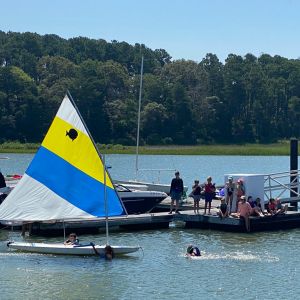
{"points": [[230, 190], [196, 194], [240, 189], [210, 190], [176, 192]]}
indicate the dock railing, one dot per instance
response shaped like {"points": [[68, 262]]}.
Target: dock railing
{"points": [[283, 185]]}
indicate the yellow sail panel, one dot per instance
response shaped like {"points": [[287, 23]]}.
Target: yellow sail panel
{"points": [[75, 147]]}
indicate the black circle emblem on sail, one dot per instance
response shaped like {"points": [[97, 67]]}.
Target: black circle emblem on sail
{"points": [[72, 134]]}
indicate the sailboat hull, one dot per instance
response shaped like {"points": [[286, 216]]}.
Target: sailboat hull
{"points": [[87, 249]]}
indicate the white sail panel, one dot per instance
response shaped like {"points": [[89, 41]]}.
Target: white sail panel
{"points": [[67, 113], [38, 203], [65, 179]]}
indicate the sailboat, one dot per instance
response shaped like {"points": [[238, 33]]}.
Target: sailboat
{"points": [[66, 180]]}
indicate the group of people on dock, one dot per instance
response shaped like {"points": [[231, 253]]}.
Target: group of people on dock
{"points": [[244, 208], [233, 199], [208, 189]]}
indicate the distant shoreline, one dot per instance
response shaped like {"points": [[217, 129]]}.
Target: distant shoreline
{"points": [[280, 148]]}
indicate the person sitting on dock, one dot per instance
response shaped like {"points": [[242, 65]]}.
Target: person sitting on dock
{"points": [[250, 201], [254, 210], [244, 210], [192, 251], [272, 207], [209, 189], [257, 209], [240, 191], [280, 209], [176, 192], [196, 194], [72, 240], [223, 211], [258, 204]]}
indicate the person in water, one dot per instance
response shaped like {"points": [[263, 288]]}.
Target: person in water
{"points": [[192, 251], [108, 252], [72, 240]]}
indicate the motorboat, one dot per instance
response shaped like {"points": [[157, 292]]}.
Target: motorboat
{"points": [[139, 201], [147, 186]]}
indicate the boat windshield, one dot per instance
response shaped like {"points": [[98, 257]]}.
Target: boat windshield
{"points": [[121, 188]]}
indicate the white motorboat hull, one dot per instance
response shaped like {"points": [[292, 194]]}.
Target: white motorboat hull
{"points": [[87, 249], [140, 185]]}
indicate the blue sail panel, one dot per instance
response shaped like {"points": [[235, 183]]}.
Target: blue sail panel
{"points": [[73, 185]]}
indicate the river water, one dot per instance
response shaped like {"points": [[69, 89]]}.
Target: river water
{"points": [[233, 266]]}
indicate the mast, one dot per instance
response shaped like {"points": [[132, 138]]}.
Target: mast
{"points": [[105, 201], [139, 119]]}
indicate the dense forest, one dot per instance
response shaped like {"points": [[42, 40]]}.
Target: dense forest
{"points": [[244, 99]]}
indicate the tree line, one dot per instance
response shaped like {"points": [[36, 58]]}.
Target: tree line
{"points": [[244, 99]]}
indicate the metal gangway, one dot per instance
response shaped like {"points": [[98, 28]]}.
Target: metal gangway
{"points": [[283, 185]]}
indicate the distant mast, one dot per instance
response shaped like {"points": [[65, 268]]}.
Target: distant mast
{"points": [[139, 119]]}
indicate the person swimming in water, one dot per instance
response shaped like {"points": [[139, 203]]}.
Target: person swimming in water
{"points": [[192, 251]]}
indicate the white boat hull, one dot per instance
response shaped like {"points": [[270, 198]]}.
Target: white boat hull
{"points": [[62, 249], [140, 185]]}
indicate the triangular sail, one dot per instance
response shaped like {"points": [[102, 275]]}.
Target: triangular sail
{"points": [[65, 179]]}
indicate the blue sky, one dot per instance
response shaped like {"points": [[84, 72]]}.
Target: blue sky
{"points": [[184, 28]]}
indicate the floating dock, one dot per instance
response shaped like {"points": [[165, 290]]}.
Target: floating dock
{"points": [[161, 220], [129, 222], [290, 219], [186, 219]]}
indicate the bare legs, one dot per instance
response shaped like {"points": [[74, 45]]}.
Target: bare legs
{"points": [[196, 206], [209, 207], [172, 205]]}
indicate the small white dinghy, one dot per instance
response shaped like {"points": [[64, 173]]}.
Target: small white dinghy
{"points": [[66, 179], [84, 249]]}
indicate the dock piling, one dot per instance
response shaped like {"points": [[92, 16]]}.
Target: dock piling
{"points": [[293, 167]]}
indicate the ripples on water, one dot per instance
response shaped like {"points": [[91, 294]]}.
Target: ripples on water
{"points": [[233, 266]]}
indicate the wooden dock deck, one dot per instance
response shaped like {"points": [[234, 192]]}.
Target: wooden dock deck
{"points": [[188, 219], [159, 220], [130, 222]]}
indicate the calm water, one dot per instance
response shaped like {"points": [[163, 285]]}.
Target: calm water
{"points": [[233, 266]]}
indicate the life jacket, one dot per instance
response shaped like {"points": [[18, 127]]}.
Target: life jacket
{"points": [[196, 251]]}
